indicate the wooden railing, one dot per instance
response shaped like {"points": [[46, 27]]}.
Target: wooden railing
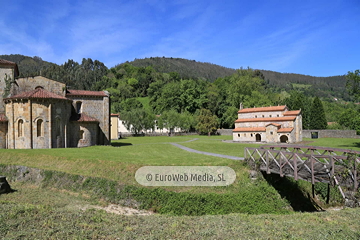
{"points": [[310, 163]]}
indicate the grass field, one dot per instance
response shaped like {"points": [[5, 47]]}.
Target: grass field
{"points": [[38, 213]]}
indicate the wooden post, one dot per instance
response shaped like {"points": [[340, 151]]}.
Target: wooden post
{"points": [[267, 162], [295, 166], [328, 194]]}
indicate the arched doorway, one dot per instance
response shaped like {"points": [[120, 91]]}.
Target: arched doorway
{"points": [[258, 137], [284, 139]]}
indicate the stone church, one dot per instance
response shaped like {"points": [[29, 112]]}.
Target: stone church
{"points": [[36, 112], [268, 124]]}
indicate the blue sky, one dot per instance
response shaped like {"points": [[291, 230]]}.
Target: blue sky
{"points": [[318, 38]]}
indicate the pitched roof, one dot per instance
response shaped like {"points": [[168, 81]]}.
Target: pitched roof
{"points": [[285, 130], [82, 118], [275, 124], [3, 118], [272, 119], [290, 113], [38, 93], [6, 62], [250, 129], [86, 93], [263, 109]]}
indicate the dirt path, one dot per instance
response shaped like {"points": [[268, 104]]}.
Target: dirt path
{"points": [[207, 153]]}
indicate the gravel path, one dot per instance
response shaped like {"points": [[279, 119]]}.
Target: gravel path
{"points": [[207, 153]]}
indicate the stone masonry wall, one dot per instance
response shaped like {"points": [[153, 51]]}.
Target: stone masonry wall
{"points": [[30, 83], [98, 108], [3, 132], [331, 133], [4, 73]]}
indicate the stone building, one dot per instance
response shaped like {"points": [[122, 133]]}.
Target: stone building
{"points": [[37, 112], [268, 124]]}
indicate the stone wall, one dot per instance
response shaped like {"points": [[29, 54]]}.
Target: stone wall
{"points": [[5, 73], [98, 108], [331, 133], [225, 132], [3, 132], [30, 83]]}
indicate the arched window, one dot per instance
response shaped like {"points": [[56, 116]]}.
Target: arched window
{"points": [[20, 128], [39, 126]]}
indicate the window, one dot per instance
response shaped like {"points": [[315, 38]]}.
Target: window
{"points": [[78, 107], [238, 134], [278, 115], [39, 131], [263, 115], [271, 132], [270, 116], [251, 135], [20, 128], [244, 134], [255, 116]]}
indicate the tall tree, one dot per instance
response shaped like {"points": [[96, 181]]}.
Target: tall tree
{"points": [[353, 83], [317, 115], [206, 122]]}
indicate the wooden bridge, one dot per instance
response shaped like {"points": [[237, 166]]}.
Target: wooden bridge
{"points": [[310, 163]]}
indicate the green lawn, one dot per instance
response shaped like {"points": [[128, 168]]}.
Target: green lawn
{"points": [[38, 213]]}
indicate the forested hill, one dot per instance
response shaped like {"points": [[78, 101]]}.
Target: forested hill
{"points": [[28, 66], [186, 68], [84, 75], [324, 87]]}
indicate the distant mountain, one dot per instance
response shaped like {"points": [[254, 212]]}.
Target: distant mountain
{"points": [[325, 87], [186, 68]]}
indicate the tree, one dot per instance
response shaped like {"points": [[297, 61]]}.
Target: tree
{"points": [[138, 119], [206, 122], [317, 115], [297, 101], [353, 83]]}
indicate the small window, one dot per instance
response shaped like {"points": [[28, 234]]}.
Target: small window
{"points": [[244, 134], [263, 115], [20, 128], [255, 116], [39, 131], [278, 115], [271, 133], [238, 134], [251, 135], [270, 116]]}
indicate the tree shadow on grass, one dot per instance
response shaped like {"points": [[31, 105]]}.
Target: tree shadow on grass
{"points": [[355, 144], [290, 190], [120, 144]]}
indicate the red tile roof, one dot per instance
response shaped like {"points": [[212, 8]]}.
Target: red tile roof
{"points": [[250, 129], [263, 109], [272, 119], [275, 124], [285, 130], [38, 93], [86, 93], [6, 62], [83, 118], [290, 113], [3, 118]]}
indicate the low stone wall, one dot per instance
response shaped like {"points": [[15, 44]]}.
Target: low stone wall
{"points": [[157, 134], [225, 131], [330, 134]]}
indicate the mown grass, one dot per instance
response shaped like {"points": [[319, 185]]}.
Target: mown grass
{"points": [[38, 213]]}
